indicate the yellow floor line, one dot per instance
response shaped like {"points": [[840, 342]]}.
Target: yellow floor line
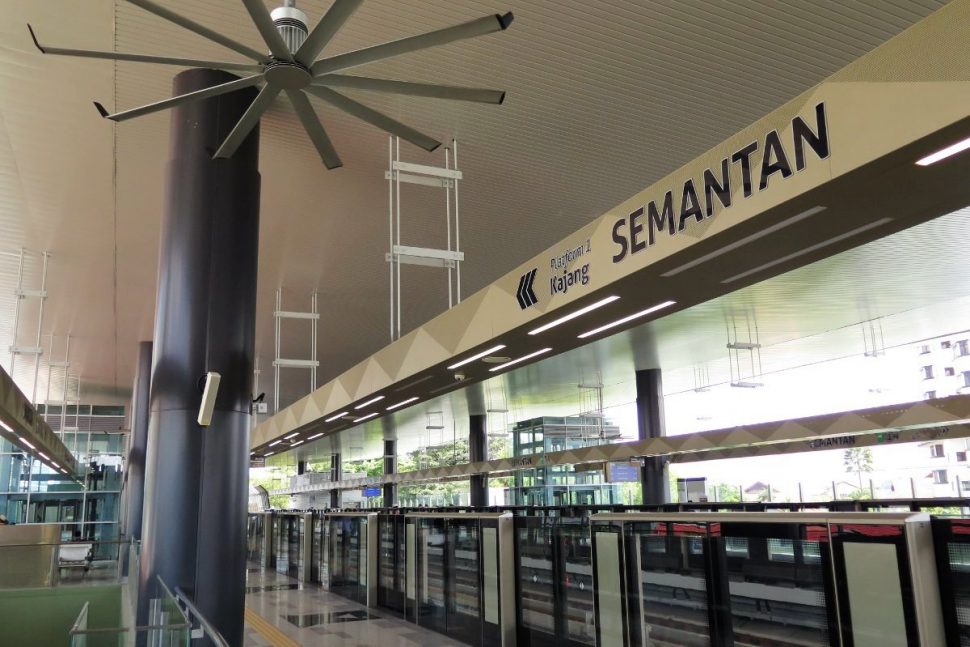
{"points": [[268, 630]]}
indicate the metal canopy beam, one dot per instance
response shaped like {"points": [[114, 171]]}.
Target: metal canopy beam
{"points": [[24, 427], [922, 420]]}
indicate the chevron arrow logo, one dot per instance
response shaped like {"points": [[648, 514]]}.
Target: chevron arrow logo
{"points": [[525, 295]]}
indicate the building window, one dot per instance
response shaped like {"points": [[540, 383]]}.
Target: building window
{"points": [[949, 371], [961, 457], [927, 372], [929, 395], [962, 349], [924, 349], [939, 477], [936, 451], [966, 378], [944, 344]]}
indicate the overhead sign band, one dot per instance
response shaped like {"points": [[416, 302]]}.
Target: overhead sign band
{"points": [[628, 232]]}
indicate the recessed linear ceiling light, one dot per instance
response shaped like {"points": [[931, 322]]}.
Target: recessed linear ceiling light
{"points": [[369, 402], [26, 442], [299, 442], [402, 403], [295, 433], [6, 426], [809, 249], [363, 418], [336, 416], [520, 359], [620, 322], [275, 443], [44, 456], [268, 454], [573, 315], [744, 241], [480, 355], [944, 153], [315, 436]]}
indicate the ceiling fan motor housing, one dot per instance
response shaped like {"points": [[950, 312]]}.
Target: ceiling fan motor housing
{"points": [[291, 23]]}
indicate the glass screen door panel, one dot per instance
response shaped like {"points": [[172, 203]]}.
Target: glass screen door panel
{"points": [[576, 559], [536, 585], [464, 581], [609, 588], [776, 578], [432, 607], [669, 564], [952, 537], [877, 608]]}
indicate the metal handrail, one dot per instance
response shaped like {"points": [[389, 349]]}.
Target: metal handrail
{"points": [[207, 627], [83, 615]]}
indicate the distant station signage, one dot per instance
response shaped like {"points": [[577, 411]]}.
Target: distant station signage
{"points": [[622, 472], [371, 491]]}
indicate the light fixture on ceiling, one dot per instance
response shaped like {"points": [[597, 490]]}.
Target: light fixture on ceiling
{"points": [[744, 241], [6, 426], [315, 436], [369, 402], [295, 433], [268, 454], [275, 443], [573, 315], [44, 456], [809, 249], [299, 442], [363, 418], [620, 322], [484, 353], [944, 153], [26, 442], [336, 416], [402, 403], [517, 360]]}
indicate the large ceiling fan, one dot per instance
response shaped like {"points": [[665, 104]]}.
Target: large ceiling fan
{"points": [[292, 67]]}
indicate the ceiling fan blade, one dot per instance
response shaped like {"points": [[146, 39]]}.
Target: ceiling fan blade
{"points": [[304, 110], [411, 89], [215, 90], [201, 30], [478, 27], [264, 23], [331, 22], [140, 58], [246, 123], [375, 118]]}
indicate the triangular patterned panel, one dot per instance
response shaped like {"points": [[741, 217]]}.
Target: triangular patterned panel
{"points": [[741, 437], [480, 327], [392, 357], [351, 380], [447, 331], [849, 423], [374, 379], [336, 398], [424, 351]]}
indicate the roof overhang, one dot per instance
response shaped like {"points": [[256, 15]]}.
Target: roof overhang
{"points": [[22, 425], [840, 171]]}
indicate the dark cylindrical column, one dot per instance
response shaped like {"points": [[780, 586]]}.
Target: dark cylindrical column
{"points": [[139, 440], [335, 472], [194, 530], [650, 423], [390, 467], [301, 467], [478, 451]]}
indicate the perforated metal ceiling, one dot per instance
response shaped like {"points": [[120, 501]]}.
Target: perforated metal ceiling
{"points": [[603, 99]]}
